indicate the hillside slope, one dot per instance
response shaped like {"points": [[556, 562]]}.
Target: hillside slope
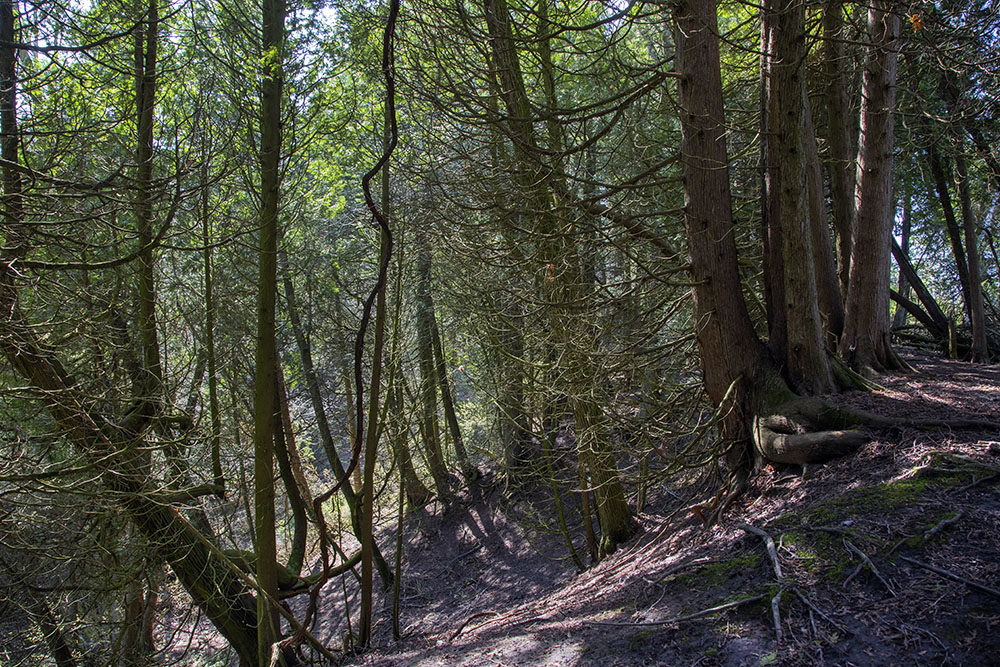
{"points": [[891, 556]]}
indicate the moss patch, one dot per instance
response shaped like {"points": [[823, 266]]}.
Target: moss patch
{"points": [[715, 574]]}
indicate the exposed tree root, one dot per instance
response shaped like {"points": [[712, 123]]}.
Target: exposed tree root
{"points": [[809, 430]]}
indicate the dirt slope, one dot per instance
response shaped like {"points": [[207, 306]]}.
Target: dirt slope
{"points": [[854, 540]]}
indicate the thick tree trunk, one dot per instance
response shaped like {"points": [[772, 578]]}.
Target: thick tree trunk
{"points": [[729, 347], [739, 375], [866, 345], [804, 358], [770, 208]]}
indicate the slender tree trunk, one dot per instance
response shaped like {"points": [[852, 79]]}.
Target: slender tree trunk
{"points": [[937, 323], [469, 471], [429, 427], [941, 185], [831, 301], [903, 285], [865, 344], [284, 444], [322, 422], [215, 412], [977, 314], [146, 39], [840, 136], [417, 495], [272, 46]]}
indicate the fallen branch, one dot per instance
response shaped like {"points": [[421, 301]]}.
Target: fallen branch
{"points": [[679, 619], [464, 554], [944, 523], [470, 620], [772, 552], [954, 577], [776, 614], [816, 609], [865, 560]]}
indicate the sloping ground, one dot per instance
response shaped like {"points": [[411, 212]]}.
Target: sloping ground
{"points": [[888, 557]]}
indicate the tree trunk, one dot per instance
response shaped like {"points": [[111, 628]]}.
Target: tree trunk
{"points": [[16, 234], [866, 345], [429, 428], [728, 344], [770, 208], [903, 285], [941, 185], [215, 412], [739, 375], [146, 39], [804, 357], [831, 300], [284, 445], [469, 471], [840, 137], [977, 315], [272, 46], [937, 323]]}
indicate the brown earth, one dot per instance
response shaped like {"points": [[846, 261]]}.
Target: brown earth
{"points": [[855, 540]]}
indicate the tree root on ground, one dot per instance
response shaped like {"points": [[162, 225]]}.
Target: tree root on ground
{"points": [[809, 430]]}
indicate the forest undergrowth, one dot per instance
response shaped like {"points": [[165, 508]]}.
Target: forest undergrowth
{"points": [[885, 557]]}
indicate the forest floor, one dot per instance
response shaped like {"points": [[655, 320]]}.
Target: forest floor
{"points": [[890, 556], [856, 540]]}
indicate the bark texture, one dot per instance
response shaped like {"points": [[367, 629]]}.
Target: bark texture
{"points": [[865, 344]]}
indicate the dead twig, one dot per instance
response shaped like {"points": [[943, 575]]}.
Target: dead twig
{"points": [[944, 523], [683, 565], [679, 619], [954, 577], [865, 560], [464, 554], [819, 611], [470, 620]]}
